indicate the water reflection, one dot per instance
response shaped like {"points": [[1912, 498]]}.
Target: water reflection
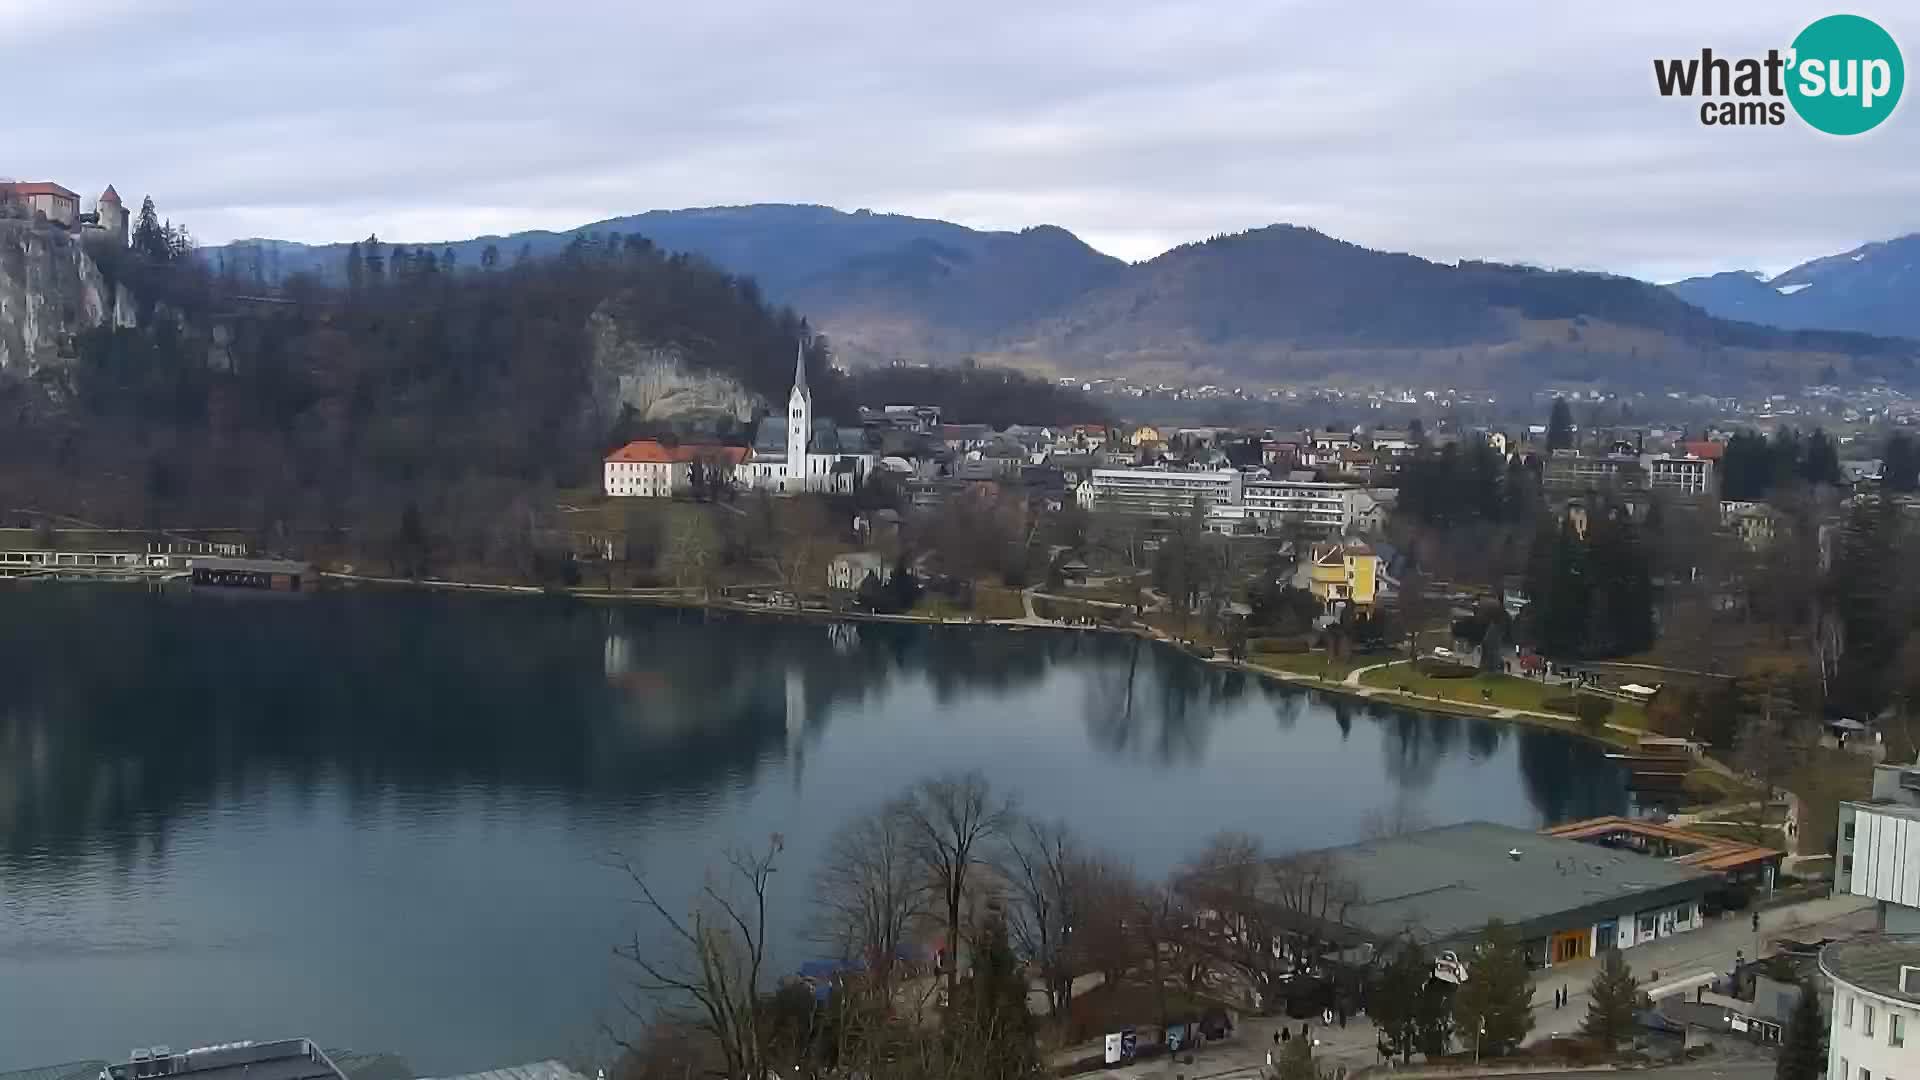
{"points": [[202, 790]]}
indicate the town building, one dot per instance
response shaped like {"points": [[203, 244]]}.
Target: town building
{"points": [[1342, 573], [1570, 468], [1878, 854], [647, 468], [850, 570], [280, 1059], [1330, 507], [1735, 860], [795, 453], [1876, 1007], [1683, 475], [108, 218], [1752, 522], [41, 197], [1564, 898], [1161, 492]]}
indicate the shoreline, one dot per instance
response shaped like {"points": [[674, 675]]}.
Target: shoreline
{"points": [[1613, 736]]}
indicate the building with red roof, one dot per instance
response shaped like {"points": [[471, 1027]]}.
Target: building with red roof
{"points": [[62, 207], [648, 468]]}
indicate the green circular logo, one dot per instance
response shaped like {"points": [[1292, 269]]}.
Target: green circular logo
{"points": [[1846, 75]]}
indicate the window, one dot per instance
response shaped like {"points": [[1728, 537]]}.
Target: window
{"points": [[1865, 1075], [1896, 1029], [1846, 865], [1847, 1022], [1866, 1021], [1848, 831]]}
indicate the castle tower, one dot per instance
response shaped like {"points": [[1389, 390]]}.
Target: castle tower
{"points": [[113, 215], [799, 422]]}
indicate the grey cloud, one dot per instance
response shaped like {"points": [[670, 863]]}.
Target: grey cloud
{"points": [[1508, 129]]}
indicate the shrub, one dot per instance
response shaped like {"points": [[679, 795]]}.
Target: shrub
{"points": [[1443, 669], [1589, 708]]}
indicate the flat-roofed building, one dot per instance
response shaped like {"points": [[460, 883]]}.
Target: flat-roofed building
{"points": [[1163, 492], [279, 1059], [1876, 1006], [1564, 898], [1330, 507]]}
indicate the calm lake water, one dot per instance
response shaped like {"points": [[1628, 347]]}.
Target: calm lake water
{"points": [[392, 821]]}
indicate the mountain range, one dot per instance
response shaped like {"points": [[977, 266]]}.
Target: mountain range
{"points": [[1278, 304], [1874, 288]]}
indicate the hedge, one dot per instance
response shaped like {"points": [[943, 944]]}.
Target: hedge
{"points": [[1442, 669], [1591, 708]]}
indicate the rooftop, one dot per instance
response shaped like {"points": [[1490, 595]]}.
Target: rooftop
{"points": [[1708, 852], [1875, 963], [653, 452], [1450, 881], [280, 1059]]}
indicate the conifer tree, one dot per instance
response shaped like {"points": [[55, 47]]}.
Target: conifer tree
{"points": [[1496, 998], [1614, 997], [1803, 1053], [1560, 426]]}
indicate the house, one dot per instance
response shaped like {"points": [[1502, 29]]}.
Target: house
{"points": [[851, 570], [1752, 522], [1876, 1007], [40, 197], [1343, 573], [647, 468], [1146, 434]]}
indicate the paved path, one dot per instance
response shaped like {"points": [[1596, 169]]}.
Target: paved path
{"points": [[1680, 961]]}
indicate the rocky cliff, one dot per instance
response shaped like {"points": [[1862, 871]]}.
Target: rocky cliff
{"points": [[659, 382], [50, 290]]}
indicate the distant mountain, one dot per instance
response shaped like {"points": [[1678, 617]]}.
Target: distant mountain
{"points": [[1278, 304], [780, 245], [1874, 289]]}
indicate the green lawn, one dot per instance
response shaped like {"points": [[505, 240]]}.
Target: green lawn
{"points": [[1501, 691], [1317, 664]]}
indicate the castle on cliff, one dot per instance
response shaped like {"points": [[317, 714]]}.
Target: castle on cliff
{"points": [[43, 200]]}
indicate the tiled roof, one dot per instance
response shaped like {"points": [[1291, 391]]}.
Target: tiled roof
{"points": [[651, 452], [1710, 852], [110, 195], [39, 187]]}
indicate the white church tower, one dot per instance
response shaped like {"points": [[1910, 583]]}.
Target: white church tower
{"points": [[799, 423]]}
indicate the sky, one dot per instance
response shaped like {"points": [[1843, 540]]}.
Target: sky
{"points": [[1514, 130]]}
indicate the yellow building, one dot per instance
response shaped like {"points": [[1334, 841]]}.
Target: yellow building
{"points": [[1346, 572], [1146, 433]]}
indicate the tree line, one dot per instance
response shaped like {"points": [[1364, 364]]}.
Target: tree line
{"points": [[1020, 904]]}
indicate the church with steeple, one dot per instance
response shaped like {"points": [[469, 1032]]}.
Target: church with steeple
{"points": [[797, 453]]}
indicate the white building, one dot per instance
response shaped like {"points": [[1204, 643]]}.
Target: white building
{"points": [[1876, 1006], [646, 468], [1686, 475], [794, 454], [849, 571], [1330, 507], [1162, 492], [1878, 855]]}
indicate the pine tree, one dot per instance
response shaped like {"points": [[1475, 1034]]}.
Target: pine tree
{"points": [[376, 263], [1496, 998], [356, 268], [1560, 426], [489, 257], [149, 236], [1397, 1001], [1900, 463], [1614, 997], [1803, 1052]]}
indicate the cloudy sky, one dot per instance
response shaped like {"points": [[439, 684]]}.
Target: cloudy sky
{"points": [[1506, 129]]}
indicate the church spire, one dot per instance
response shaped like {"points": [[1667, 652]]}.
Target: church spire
{"points": [[800, 365]]}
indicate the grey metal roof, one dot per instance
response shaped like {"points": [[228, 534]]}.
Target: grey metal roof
{"points": [[1447, 882], [539, 1070], [72, 1070], [1872, 962]]}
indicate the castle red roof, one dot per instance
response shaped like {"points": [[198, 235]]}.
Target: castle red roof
{"points": [[653, 452], [39, 187], [1704, 448], [110, 195]]}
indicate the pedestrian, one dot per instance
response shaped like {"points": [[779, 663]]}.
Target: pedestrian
{"points": [[1286, 1033], [1343, 1017], [1276, 1038], [1566, 995], [1303, 1029]]}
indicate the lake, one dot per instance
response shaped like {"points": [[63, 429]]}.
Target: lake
{"points": [[396, 821]]}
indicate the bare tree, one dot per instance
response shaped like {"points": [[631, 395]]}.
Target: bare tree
{"points": [[1312, 899], [719, 958], [1048, 873], [801, 538], [952, 818], [1227, 878], [870, 888], [1104, 939], [693, 550], [1173, 949]]}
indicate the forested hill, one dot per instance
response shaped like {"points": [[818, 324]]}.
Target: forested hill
{"points": [[469, 394]]}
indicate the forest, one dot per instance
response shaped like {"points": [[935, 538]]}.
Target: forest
{"points": [[462, 392]]}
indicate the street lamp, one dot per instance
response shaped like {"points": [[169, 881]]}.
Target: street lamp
{"points": [[1477, 1035]]}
